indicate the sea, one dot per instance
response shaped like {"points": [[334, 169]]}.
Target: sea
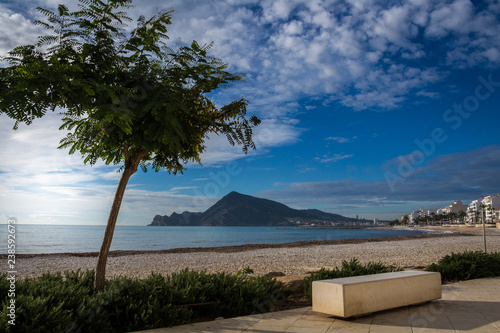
{"points": [[35, 239]]}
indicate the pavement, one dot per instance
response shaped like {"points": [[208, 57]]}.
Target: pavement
{"points": [[468, 306]]}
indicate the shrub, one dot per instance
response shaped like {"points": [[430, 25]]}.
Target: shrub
{"points": [[348, 268], [467, 265], [67, 303]]}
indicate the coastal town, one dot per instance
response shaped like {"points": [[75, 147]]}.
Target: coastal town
{"points": [[485, 208]]}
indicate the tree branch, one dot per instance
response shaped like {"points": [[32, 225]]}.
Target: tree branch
{"points": [[127, 156]]}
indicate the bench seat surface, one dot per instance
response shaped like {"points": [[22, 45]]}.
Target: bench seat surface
{"points": [[360, 295]]}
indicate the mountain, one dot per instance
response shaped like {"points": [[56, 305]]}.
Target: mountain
{"points": [[236, 209]]}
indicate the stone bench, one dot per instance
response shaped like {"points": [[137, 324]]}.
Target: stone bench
{"points": [[361, 295]]}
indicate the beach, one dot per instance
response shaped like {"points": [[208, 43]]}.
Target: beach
{"points": [[290, 259]]}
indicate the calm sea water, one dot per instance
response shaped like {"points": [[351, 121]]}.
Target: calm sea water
{"points": [[87, 238]]}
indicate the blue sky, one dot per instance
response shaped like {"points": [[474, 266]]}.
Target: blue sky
{"points": [[369, 108]]}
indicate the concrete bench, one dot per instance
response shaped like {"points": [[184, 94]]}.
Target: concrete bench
{"points": [[361, 295]]}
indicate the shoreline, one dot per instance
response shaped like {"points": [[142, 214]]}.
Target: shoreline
{"points": [[290, 259], [245, 247]]}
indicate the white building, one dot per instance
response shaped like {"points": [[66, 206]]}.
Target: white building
{"points": [[421, 213], [443, 211], [456, 207], [429, 212], [472, 211], [413, 216], [492, 205]]}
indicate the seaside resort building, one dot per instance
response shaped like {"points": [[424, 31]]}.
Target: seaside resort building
{"points": [[490, 204], [455, 207], [473, 211]]}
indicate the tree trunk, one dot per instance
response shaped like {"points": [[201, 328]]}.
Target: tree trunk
{"points": [[100, 271]]}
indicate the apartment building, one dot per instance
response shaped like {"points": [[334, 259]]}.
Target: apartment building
{"points": [[422, 213], [455, 207], [473, 211], [413, 216], [492, 205]]}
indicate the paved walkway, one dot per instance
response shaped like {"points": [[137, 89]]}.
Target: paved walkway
{"points": [[469, 306]]}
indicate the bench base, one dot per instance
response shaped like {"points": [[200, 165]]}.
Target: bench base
{"points": [[361, 295]]}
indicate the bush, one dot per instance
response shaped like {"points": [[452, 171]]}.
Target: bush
{"points": [[57, 303], [467, 265], [351, 268]]}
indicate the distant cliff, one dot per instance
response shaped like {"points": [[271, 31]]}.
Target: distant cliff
{"points": [[237, 209]]}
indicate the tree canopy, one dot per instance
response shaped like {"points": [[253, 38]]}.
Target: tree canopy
{"points": [[122, 93], [126, 97]]}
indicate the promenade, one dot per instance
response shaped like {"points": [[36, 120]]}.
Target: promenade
{"points": [[468, 306]]}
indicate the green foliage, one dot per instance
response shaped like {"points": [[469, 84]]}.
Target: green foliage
{"points": [[125, 96], [57, 303], [467, 265], [245, 271], [47, 303], [348, 268]]}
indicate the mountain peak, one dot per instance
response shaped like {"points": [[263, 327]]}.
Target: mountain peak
{"points": [[233, 194], [236, 209]]}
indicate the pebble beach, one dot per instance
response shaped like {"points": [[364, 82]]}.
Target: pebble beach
{"points": [[290, 259]]}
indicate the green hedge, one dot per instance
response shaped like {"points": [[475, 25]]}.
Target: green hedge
{"points": [[57, 303], [467, 265], [348, 268], [67, 303]]}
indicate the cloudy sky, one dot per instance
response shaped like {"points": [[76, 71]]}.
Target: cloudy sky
{"points": [[369, 108]]}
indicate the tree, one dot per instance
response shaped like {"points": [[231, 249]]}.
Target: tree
{"points": [[432, 218], [491, 211], [395, 222], [126, 98], [462, 215], [420, 219], [476, 217]]}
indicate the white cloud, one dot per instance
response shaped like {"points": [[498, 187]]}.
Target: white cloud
{"points": [[270, 133], [276, 132], [450, 17], [16, 30], [292, 49], [429, 94], [278, 9], [200, 179], [36, 178], [463, 176], [293, 28], [334, 158], [315, 53], [341, 139], [388, 88], [361, 54], [142, 205]]}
